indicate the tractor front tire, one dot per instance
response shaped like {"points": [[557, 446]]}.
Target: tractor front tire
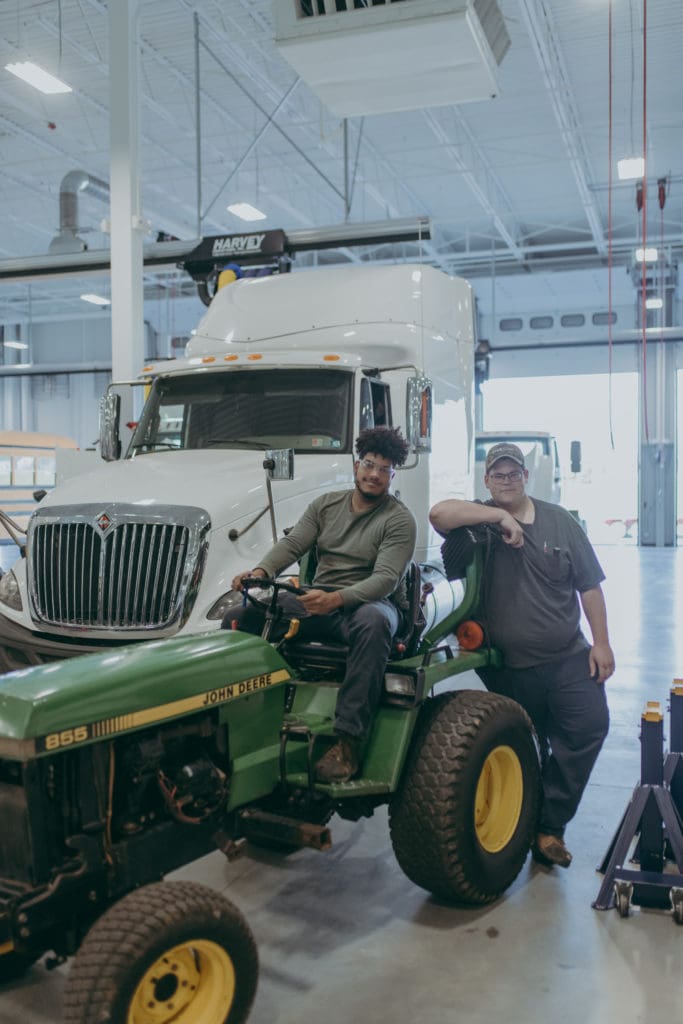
{"points": [[465, 814], [169, 952]]}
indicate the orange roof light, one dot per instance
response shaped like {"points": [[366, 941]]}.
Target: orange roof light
{"points": [[254, 355], [231, 358], [208, 359], [331, 359]]}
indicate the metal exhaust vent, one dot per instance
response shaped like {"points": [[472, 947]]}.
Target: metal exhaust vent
{"points": [[368, 57]]}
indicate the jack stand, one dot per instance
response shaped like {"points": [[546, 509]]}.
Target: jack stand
{"points": [[673, 765], [652, 815]]}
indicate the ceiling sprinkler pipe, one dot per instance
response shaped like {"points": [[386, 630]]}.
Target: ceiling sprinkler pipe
{"points": [[72, 184]]}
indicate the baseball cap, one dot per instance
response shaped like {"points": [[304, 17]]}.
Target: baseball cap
{"points": [[504, 450]]}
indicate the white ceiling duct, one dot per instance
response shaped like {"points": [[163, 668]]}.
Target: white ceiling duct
{"points": [[373, 57], [72, 184]]}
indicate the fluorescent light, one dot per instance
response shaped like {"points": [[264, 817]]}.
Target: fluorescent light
{"points": [[647, 255], [97, 300], [15, 344], [631, 167], [654, 303], [38, 77], [245, 211]]}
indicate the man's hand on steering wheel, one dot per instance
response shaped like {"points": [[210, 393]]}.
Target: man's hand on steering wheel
{"points": [[237, 580]]}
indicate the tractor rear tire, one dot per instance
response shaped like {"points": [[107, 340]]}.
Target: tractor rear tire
{"points": [[465, 814], [172, 951]]}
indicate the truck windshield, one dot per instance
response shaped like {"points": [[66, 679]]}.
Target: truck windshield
{"points": [[308, 410]]}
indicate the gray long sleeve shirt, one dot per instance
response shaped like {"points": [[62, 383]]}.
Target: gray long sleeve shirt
{"points": [[363, 555]]}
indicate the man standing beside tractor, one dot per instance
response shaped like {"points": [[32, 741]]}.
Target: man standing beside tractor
{"points": [[363, 542], [532, 614]]}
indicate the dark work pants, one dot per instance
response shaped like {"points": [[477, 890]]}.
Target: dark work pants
{"points": [[367, 631], [570, 716]]}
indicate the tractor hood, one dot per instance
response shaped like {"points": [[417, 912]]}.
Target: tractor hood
{"points": [[227, 484], [82, 700]]}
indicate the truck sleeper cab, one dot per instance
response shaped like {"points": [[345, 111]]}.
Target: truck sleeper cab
{"points": [[145, 546]]}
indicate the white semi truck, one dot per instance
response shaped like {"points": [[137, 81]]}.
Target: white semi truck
{"points": [[145, 546]]}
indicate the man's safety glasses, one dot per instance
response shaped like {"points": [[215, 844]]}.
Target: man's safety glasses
{"points": [[514, 477], [373, 467]]}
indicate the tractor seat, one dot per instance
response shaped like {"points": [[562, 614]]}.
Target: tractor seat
{"points": [[330, 657]]}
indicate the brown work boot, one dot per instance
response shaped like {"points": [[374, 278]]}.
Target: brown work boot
{"points": [[341, 762], [550, 850]]}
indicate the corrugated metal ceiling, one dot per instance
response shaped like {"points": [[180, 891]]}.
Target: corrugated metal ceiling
{"points": [[494, 176]]}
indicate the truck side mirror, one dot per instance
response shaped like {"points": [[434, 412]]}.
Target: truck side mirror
{"points": [[419, 413], [279, 464], [110, 412], [575, 456]]}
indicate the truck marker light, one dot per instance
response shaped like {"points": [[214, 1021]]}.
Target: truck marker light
{"points": [[254, 355], [208, 359], [230, 359], [331, 359]]}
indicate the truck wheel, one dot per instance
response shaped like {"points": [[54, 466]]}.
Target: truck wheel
{"points": [[464, 816], [170, 952]]}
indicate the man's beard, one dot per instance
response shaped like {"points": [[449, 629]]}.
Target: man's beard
{"points": [[370, 496]]}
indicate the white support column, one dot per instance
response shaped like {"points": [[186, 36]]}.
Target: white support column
{"points": [[127, 231], [657, 520]]}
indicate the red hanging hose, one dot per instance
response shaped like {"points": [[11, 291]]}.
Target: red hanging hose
{"points": [[610, 76], [643, 274]]}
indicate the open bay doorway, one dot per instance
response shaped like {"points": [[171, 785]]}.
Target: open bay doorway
{"points": [[576, 407]]}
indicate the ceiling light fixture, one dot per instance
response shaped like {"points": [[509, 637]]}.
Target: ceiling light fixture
{"points": [[38, 77], [630, 167], [647, 255], [15, 344], [245, 211], [97, 300], [654, 303]]}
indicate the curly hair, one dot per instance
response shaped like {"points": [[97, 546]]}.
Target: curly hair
{"points": [[384, 441]]}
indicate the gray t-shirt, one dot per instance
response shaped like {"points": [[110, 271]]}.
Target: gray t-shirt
{"points": [[531, 607], [364, 555]]}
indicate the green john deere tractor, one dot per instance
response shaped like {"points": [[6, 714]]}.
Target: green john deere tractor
{"points": [[120, 767]]}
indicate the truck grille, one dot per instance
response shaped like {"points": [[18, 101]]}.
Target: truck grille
{"points": [[106, 567]]}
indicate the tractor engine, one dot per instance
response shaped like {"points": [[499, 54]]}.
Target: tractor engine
{"points": [[176, 771]]}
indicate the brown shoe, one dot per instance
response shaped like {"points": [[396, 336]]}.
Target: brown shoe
{"points": [[550, 850], [341, 762]]}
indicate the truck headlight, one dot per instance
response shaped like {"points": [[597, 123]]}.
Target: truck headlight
{"points": [[227, 603], [9, 592]]}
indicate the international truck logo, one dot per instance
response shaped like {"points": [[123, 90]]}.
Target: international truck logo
{"points": [[104, 522], [231, 245]]}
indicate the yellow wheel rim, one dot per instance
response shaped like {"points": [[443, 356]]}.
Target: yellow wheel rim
{"points": [[498, 801], [190, 983]]}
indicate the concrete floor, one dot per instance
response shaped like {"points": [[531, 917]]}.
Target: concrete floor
{"points": [[344, 936]]}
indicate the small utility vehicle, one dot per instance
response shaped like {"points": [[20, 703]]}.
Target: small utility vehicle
{"points": [[119, 767]]}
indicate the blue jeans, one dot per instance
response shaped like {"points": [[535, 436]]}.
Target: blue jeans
{"points": [[367, 631], [570, 715]]}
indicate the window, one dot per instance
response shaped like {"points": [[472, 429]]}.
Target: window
{"points": [[304, 409], [541, 323], [573, 320], [601, 319], [511, 323]]}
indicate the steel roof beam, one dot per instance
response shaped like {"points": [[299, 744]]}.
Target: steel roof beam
{"points": [[539, 23]]}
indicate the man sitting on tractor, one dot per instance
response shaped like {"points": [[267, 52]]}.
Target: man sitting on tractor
{"points": [[363, 540]]}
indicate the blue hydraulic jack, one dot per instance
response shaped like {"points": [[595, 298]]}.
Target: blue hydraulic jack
{"points": [[653, 820]]}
